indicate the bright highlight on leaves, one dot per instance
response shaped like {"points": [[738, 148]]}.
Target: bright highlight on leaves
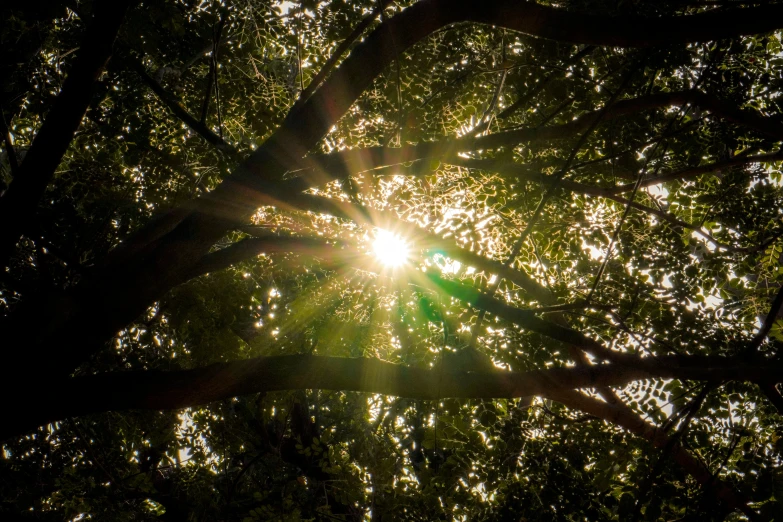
{"points": [[390, 249]]}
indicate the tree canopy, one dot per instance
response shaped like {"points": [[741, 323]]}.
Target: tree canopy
{"points": [[391, 260]]}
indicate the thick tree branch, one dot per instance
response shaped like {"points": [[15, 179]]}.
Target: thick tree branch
{"points": [[10, 150], [18, 205], [161, 390]]}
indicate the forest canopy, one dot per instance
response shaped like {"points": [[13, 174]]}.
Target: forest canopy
{"points": [[391, 260]]}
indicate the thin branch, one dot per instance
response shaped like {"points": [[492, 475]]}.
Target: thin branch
{"points": [[645, 488], [532, 93], [212, 77], [690, 173], [769, 322], [524, 173], [174, 106], [524, 318], [658, 438]]}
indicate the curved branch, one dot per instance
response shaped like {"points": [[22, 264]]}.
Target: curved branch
{"points": [[161, 390]]}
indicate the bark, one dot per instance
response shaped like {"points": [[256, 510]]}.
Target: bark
{"points": [[163, 390], [18, 205]]}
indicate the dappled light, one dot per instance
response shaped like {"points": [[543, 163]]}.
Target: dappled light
{"points": [[388, 260]]}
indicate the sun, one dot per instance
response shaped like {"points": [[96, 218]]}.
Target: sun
{"points": [[390, 249]]}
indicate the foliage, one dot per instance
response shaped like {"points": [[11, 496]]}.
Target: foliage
{"points": [[542, 222]]}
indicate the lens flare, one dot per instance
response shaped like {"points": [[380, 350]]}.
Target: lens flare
{"points": [[390, 249]]}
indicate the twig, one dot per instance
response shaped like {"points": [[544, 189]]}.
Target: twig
{"points": [[774, 310]]}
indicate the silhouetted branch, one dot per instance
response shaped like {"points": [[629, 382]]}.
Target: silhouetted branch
{"points": [[532, 93], [690, 173], [631, 422], [18, 205], [769, 322], [319, 169], [339, 52], [5, 133], [162, 390], [116, 295], [174, 106]]}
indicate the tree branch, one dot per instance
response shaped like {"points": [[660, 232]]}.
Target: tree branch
{"points": [[631, 422], [162, 390], [690, 173], [524, 173], [5, 133], [421, 239], [18, 205], [773, 394], [769, 322], [331, 62], [319, 169], [174, 106]]}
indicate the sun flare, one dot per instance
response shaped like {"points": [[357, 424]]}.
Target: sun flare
{"points": [[390, 249]]}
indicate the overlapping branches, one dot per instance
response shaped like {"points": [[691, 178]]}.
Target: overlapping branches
{"points": [[118, 290]]}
